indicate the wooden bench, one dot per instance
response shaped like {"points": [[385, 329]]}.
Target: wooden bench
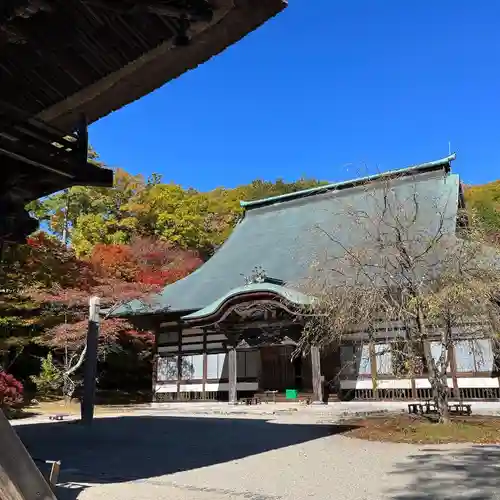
{"points": [[460, 409], [430, 407], [421, 408], [415, 408], [58, 416], [268, 396], [251, 401]]}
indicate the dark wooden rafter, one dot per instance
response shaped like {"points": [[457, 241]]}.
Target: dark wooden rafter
{"points": [[53, 48], [60, 58], [195, 10], [37, 160], [30, 141], [12, 9]]}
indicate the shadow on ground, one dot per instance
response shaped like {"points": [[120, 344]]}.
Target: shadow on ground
{"points": [[469, 473], [140, 447]]}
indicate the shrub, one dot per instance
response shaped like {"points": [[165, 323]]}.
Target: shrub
{"points": [[49, 380], [11, 390]]}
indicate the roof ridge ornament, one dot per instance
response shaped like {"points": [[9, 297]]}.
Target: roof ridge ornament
{"points": [[257, 275]]}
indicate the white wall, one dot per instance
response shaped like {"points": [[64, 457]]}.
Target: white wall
{"points": [[248, 366]]}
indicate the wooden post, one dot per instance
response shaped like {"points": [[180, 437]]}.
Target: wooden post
{"points": [[453, 369], [205, 364], [179, 360], [88, 400], [413, 387], [316, 375], [205, 372], [154, 377], [233, 375], [373, 368]]}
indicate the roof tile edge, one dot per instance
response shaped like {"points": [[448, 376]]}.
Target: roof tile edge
{"points": [[421, 167]]}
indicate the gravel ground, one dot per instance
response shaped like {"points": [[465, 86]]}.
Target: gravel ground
{"points": [[153, 455]]}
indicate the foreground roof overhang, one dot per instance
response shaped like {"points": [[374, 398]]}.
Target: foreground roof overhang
{"points": [[59, 60], [65, 64], [38, 160]]}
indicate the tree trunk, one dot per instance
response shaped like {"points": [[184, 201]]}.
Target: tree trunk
{"points": [[439, 385], [436, 374], [442, 403]]}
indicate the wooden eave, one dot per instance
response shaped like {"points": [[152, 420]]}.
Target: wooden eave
{"points": [[38, 159], [63, 59]]}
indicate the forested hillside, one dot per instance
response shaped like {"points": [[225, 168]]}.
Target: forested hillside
{"points": [[120, 243], [485, 201]]}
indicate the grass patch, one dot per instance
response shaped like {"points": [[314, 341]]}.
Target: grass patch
{"points": [[421, 430], [59, 406], [73, 408], [107, 403], [18, 413]]}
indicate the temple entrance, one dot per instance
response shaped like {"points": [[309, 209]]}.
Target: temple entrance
{"points": [[279, 372], [330, 370]]}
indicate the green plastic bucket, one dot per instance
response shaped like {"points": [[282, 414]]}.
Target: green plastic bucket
{"points": [[291, 394]]}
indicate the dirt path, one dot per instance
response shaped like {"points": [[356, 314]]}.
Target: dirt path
{"points": [[158, 457]]}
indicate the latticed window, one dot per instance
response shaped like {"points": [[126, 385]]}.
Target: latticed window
{"points": [[383, 358], [355, 359], [474, 355], [192, 367], [166, 368]]}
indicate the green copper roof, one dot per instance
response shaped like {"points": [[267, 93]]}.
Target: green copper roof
{"points": [[289, 294], [281, 235], [414, 169]]}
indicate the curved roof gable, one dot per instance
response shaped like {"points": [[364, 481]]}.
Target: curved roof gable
{"points": [[282, 235], [288, 294]]}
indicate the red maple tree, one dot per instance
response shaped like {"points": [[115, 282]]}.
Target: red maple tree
{"points": [[62, 284], [146, 260], [11, 391]]}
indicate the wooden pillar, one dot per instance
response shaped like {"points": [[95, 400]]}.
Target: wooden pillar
{"points": [[90, 368], [233, 375], [154, 378], [179, 360], [413, 387], [453, 369], [373, 368], [316, 375], [205, 364]]}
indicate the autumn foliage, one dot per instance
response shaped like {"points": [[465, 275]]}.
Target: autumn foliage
{"points": [[11, 390], [145, 260], [57, 285]]}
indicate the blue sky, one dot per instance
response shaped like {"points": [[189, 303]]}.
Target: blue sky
{"points": [[328, 89]]}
